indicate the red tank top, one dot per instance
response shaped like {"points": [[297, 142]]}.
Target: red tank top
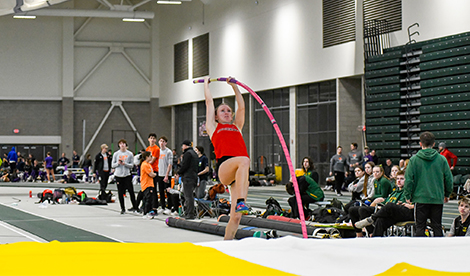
{"points": [[228, 141]]}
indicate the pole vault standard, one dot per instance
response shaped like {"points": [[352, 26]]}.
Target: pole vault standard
{"points": [[283, 144]]}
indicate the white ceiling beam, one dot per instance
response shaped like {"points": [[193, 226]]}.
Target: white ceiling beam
{"points": [[91, 13], [102, 44]]}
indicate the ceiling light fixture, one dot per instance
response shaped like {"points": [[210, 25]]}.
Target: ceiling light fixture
{"points": [[169, 2], [133, 19], [24, 16]]}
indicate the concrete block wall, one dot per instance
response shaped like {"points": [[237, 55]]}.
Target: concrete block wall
{"points": [[31, 117], [349, 107]]}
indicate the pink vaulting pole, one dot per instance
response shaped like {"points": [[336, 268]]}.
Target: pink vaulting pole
{"points": [[283, 144]]}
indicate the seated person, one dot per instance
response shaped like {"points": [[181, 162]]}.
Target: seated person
{"points": [[382, 190], [174, 198], [357, 186], [460, 224], [309, 190], [391, 213]]}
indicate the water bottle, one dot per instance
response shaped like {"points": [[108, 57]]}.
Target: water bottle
{"points": [[180, 211], [83, 196]]}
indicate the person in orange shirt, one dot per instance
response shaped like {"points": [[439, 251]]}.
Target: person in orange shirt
{"points": [[147, 175], [155, 152]]}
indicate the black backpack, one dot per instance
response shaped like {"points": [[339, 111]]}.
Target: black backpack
{"points": [[327, 215], [273, 208]]}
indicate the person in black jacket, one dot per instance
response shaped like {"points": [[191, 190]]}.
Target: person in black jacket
{"points": [[102, 167], [188, 171]]}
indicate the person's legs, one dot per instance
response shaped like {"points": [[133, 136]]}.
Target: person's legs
{"points": [[188, 188], [121, 190], [354, 214], [48, 171], [148, 199], [435, 214], [293, 206], [161, 190], [236, 168], [140, 198], [201, 189], [130, 188], [421, 216], [365, 212], [104, 176], [155, 198], [339, 179]]}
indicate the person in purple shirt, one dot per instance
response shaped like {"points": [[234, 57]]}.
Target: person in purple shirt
{"points": [[367, 156], [49, 168]]}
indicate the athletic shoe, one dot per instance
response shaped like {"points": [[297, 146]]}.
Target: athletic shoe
{"points": [[151, 215], [242, 208], [159, 210], [328, 188], [174, 213], [364, 223], [339, 194], [123, 212], [133, 210]]}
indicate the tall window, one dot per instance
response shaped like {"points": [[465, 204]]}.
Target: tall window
{"points": [[316, 121], [183, 124], [267, 151]]}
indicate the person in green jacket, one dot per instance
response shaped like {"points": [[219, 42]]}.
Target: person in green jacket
{"points": [[428, 185], [310, 192]]}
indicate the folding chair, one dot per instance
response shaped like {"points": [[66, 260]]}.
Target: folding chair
{"points": [[206, 207]]}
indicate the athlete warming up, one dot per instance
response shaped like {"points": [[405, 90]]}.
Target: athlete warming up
{"points": [[233, 163]]}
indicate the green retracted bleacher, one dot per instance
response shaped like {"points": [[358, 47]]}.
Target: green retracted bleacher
{"points": [[445, 81], [383, 121], [445, 72], [448, 98], [382, 113], [444, 125], [383, 129], [444, 107], [448, 62], [423, 86], [383, 97], [441, 90], [451, 116]]}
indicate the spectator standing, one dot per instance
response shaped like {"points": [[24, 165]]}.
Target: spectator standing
{"points": [[155, 151], [355, 159], [49, 167], [75, 159], [188, 171], [86, 167], [102, 168], [428, 185], [123, 162], [338, 166], [367, 156], [63, 161], [202, 172], [375, 158], [450, 157], [165, 164], [12, 159]]}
